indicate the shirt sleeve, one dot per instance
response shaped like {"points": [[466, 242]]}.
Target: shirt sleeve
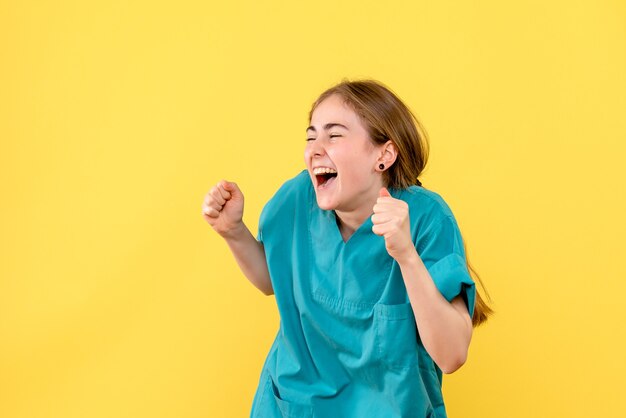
{"points": [[441, 250], [259, 234], [277, 214], [268, 215], [263, 220]]}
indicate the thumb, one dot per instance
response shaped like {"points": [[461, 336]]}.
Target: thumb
{"points": [[232, 188], [229, 186], [384, 192]]}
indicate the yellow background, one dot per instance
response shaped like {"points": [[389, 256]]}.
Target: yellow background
{"points": [[116, 117]]}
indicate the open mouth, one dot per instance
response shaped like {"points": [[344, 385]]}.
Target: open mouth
{"points": [[324, 180], [325, 177]]}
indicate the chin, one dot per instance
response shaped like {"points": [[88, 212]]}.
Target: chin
{"points": [[325, 204]]}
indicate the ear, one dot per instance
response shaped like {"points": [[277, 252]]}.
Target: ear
{"points": [[388, 155]]}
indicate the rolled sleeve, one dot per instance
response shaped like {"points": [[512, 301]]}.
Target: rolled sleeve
{"points": [[452, 278], [443, 254]]}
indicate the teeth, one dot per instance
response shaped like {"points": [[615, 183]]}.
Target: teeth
{"points": [[323, 170]]}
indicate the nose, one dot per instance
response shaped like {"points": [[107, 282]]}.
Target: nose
{"points": [[315, 148]]}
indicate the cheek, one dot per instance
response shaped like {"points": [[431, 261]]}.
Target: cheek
{"points": [[358, 161], [307, 154]]}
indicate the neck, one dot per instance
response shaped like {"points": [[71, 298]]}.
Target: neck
{"points": [[350, 220], [348, 223]]}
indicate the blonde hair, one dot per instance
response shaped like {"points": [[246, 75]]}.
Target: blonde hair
{"points": [[385, 118]]}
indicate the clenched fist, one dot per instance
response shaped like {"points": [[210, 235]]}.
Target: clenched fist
{"points": [[223, 208], [391, 220]]}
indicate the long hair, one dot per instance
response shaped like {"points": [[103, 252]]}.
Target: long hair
{"points": [[385, 118]]}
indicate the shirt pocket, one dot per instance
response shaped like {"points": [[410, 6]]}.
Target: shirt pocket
{"points": [[344, 334], [396, 335], [289, 409]]}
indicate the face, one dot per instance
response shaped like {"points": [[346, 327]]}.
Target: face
{"points": [[341, 158]]}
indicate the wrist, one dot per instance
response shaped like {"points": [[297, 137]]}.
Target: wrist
{"points": [[236, 233], [409, 258]]}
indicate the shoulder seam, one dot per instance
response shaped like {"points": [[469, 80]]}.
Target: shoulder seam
{"points": [[437, 199]]}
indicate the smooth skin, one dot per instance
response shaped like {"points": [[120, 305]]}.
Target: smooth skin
{"points": [[223, 210], [357, 192]]}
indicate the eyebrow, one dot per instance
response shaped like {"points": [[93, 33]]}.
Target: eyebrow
{"points": [[327, 127]]}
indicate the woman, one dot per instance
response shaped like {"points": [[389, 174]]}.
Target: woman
{"points": [[368, 268]]}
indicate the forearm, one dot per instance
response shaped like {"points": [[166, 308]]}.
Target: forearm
{"points": [[444, 331], [250, 256]]}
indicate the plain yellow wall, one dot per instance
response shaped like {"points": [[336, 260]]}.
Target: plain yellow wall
{"points": [[116, 117]]}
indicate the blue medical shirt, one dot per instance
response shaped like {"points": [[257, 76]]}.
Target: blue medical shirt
{"points": [[348, 344]]}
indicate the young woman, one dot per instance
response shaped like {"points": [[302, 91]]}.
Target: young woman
{"points": [[367, 266]]}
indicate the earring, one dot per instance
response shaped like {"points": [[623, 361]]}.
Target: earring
{"points": [[381, 166]]}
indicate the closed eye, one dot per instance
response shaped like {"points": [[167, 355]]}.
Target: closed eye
{"points": [[331, 136]]}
